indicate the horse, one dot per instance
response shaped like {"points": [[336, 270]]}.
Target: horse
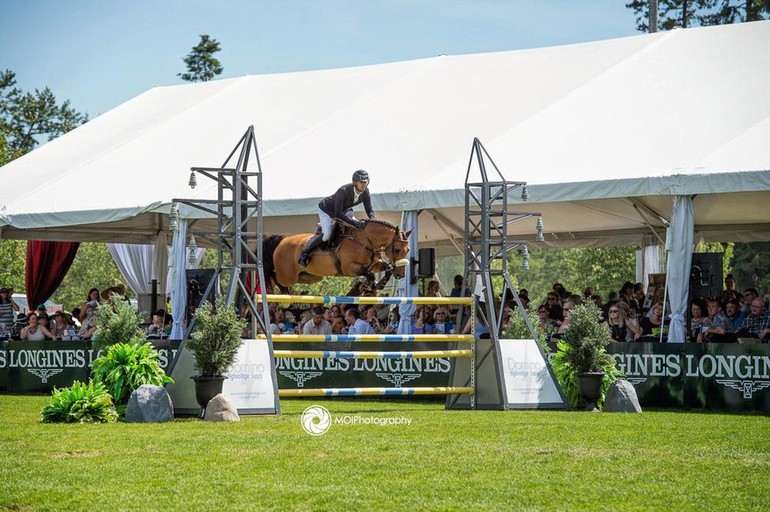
{"points": [[379, 246]]}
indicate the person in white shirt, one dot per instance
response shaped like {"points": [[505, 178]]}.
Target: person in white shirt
{"points": [[317, 324]]}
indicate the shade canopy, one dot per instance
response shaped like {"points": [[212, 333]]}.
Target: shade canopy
{"points": [[605, 133]]}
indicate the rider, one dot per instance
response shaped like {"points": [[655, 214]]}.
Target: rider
{"points": [[340, 206]]}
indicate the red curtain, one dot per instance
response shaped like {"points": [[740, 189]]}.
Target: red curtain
{"points": [[47, 264]]}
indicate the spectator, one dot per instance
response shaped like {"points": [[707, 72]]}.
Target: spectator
{"points": [[434, 289], [442, 324], [748, 295], [62, 325], [568, 306], [317, 324], [619, 325], [370, 315], [35, 331], [546, 325], [161, 324], [8, 308], [88, 309], [588, 292], [421, 323], [338, 325], [697, 318], [756, 323], [716, 323], [634, 329], [560, 291], [552, 299], [393, 321], [734, 314], [481, 329], [356, 324], [731, 291], [457, 290], [18, 325], [652, 325]]}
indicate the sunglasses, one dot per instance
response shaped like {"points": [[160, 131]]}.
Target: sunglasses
{"points": [[614, 311]]}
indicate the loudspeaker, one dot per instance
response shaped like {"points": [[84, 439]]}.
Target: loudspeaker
{"points": [[197, 281], [706, 275], [426, 266]]}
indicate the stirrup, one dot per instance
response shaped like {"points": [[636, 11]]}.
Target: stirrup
{"points": [[304, 259]]}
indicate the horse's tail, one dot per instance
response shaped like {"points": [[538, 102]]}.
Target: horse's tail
{"points": [[268, 249]]}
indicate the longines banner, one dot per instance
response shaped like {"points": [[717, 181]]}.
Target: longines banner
{"points": [[713, 376], [355, 373]]}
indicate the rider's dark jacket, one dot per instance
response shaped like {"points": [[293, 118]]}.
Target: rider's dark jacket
{"points": [[340, 204]]}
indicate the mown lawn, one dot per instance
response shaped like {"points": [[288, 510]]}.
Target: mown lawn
{"points": [[444, 460]]}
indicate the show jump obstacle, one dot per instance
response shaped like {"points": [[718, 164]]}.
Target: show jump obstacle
{"points": [[486, 374]]}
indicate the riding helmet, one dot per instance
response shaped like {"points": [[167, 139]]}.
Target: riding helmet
{"points": [[361, 175]]}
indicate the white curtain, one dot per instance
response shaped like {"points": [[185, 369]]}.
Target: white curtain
{"points": [[679, 244], [139, 264], [405, 286], [178, 265]]}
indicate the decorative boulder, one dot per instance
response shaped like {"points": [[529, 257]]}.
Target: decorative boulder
{"points": [[149, 404], [220, 409], [621, 397]]}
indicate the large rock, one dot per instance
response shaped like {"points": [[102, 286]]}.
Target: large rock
{"points": [[621, 397], [220, 409], [149, 404]]}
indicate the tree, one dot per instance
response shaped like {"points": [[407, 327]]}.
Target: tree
{"points": [[26, 116], [93, 268], [684, 13], [201, 64]]}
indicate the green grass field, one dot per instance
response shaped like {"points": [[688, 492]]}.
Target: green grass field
{"points": [[444, 460]]}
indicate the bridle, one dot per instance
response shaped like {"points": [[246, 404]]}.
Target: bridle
{"points": [[379, 251]]}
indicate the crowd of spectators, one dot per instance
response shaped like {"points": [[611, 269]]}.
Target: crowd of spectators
{"points": [[630, 314]]}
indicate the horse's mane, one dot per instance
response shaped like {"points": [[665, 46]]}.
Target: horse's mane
{"points": [[383, 222]]}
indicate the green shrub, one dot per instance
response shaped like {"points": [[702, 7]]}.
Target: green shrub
{"points": [[117, 322], [517, 328], [126, 366], [80, 403], [583, 349], [216, 339]]}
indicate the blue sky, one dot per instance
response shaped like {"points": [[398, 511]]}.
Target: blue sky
{"points": [[100, 53]]}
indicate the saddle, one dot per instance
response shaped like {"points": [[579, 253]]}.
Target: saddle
{"points": [[339, 231]]}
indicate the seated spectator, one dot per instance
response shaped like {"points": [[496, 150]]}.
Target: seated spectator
{"points": [[756, 323], [697, 318], [481, 329], [8, 309], [43, 318], [338, 325], [731, 291], [568, 306], [433, 289], [317, 324], [716, 323], [393, 321], [749, 294], [457, 290], [545, 325], [356, 324], [561, 292], [442, 323], [421, 323], [619, 324], [62, 324], [370, 315], [734, 314], [18, 325], [35, 331], [161, 324], [653, 324]]}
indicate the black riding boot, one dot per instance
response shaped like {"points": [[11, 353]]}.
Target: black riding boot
{"points": [[312, 243]]}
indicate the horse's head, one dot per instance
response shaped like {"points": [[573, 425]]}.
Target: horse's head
{"points": [[392, 244], [398, 252]]}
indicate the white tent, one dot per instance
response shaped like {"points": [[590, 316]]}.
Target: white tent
{"points": [[606, 133]]}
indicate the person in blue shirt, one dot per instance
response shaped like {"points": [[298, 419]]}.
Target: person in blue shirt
{"points": [[357, 325]]}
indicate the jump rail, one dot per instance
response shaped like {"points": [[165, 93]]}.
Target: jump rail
{"points": [[456, 390], [330, 299], [328, 354], [321, 338]]}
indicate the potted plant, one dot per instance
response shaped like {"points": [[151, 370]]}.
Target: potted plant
{"points": [[214, 345], [582, 366]]}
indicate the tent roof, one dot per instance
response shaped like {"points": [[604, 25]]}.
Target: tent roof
{"points": [[604, 133]]}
